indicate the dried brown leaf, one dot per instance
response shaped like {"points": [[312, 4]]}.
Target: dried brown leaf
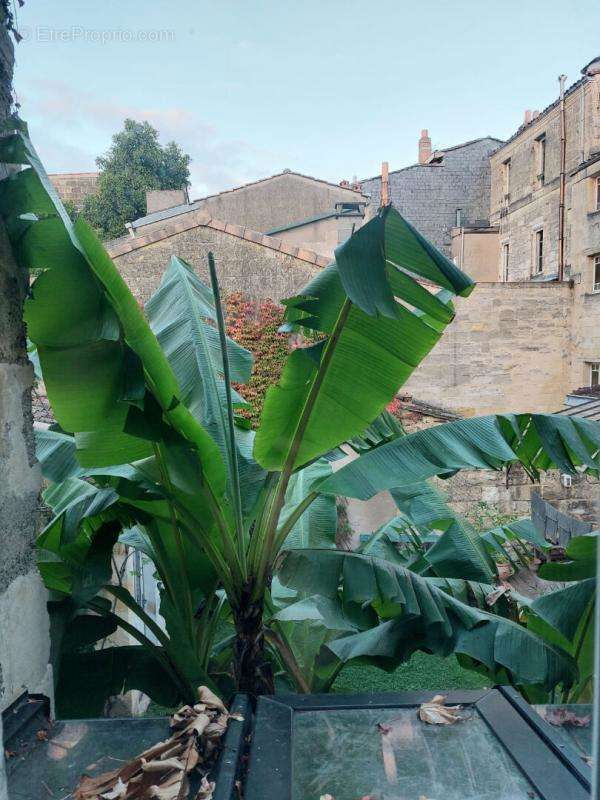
{"points": [[118, 791], [211, 699], [563, 717], [436, 713], [206, 789]]}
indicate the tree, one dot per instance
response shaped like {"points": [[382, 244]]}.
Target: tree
{"points": [[135, 163], [240, 525]]}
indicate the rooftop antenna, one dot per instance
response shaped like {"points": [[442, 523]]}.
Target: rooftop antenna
{"points": [[385, 169]]}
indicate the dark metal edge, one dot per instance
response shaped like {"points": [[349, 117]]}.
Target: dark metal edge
{"points": [[269, 773], [229, 768], [324, 702], [545, 731], [17, 715], [550, 776]]}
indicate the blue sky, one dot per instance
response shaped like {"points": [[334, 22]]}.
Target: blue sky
{"points": [[324, 87]]}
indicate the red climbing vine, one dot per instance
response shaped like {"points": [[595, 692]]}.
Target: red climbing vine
{"points": [[255, 326]]}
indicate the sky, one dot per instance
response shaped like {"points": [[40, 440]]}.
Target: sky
{"points": [[323, 87]]}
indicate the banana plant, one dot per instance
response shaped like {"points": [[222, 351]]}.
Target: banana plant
{"points": [[149, 449]]}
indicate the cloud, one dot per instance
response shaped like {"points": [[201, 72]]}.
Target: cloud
{"points": [[71, 128]]}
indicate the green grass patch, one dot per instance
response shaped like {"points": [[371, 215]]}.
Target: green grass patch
{"points": [[423, 671]]}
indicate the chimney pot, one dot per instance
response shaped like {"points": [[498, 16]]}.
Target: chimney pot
{"points": [[528, 116], [424, 147]]}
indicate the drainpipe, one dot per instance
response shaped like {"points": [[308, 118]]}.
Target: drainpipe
{"points": [[563, 158]]}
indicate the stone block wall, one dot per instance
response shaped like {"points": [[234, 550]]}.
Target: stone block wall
{"points": [[508, 349], [74, 187], [24, 627], [429, 195], [242, 265]]}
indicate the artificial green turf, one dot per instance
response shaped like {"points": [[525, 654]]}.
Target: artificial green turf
{"points": [[421, 672]]}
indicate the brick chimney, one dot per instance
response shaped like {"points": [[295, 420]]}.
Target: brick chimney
{"points": [[424, 147]]}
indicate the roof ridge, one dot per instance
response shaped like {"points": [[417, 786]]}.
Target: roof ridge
{"points": [[119, 247], [437, 150], [572, 88], [277, 175]]}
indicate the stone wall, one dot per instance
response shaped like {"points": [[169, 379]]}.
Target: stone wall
{"points": [[271, 203], [242, 264], [507, 350], [74, 187], [24, 629], [429, 195], [24, 637]]}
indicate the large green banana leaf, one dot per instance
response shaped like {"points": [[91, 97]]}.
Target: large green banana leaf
{"points": [[317, 526], [580, 564], [412, 613], [333, 390], [538, 441], [95, 347], [180, 313], [566, 617]]}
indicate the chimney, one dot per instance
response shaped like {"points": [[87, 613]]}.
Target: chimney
{"points": [[528, 117], [424, 147], [161, 199]]}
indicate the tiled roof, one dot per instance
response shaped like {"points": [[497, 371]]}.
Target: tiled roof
{"points": [[119, 247]]}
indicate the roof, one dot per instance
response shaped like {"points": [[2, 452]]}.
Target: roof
{"points": [[119, 247], [157, 216], [589, 410], [73, 174], [535, 120], [318, 218], [442, 151]]}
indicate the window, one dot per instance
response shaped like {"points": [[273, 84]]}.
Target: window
{"points": [[538, 262], [596, 273], [598, 193], [506, 178], [505, 258], [540, 153], [595, 374]]}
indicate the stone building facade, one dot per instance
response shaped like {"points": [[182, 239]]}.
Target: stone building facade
{"points": [[303, 211], [556, 152], [74, 187], [446, 189]]}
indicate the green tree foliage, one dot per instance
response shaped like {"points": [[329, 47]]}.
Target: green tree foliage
{"points": [[135, 163]]}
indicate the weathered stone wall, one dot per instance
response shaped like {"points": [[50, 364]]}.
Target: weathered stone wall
{"points": [[476, 252], [24, 639], [507, 350], [243, 265], [24, 630], [274, 202], [74, 187], [584, 228], [429, 195]]}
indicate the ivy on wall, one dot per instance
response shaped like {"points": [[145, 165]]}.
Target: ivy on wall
{"points": [[255, 326]]}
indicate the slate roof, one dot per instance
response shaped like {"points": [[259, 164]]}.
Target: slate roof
{"points": [[589, 410], [440, 151], [119, 247]]}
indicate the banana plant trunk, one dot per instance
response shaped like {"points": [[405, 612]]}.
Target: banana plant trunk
{"points": [[252, 671]]}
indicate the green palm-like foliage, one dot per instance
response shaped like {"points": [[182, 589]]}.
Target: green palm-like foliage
{"points": [[149, 451]]}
